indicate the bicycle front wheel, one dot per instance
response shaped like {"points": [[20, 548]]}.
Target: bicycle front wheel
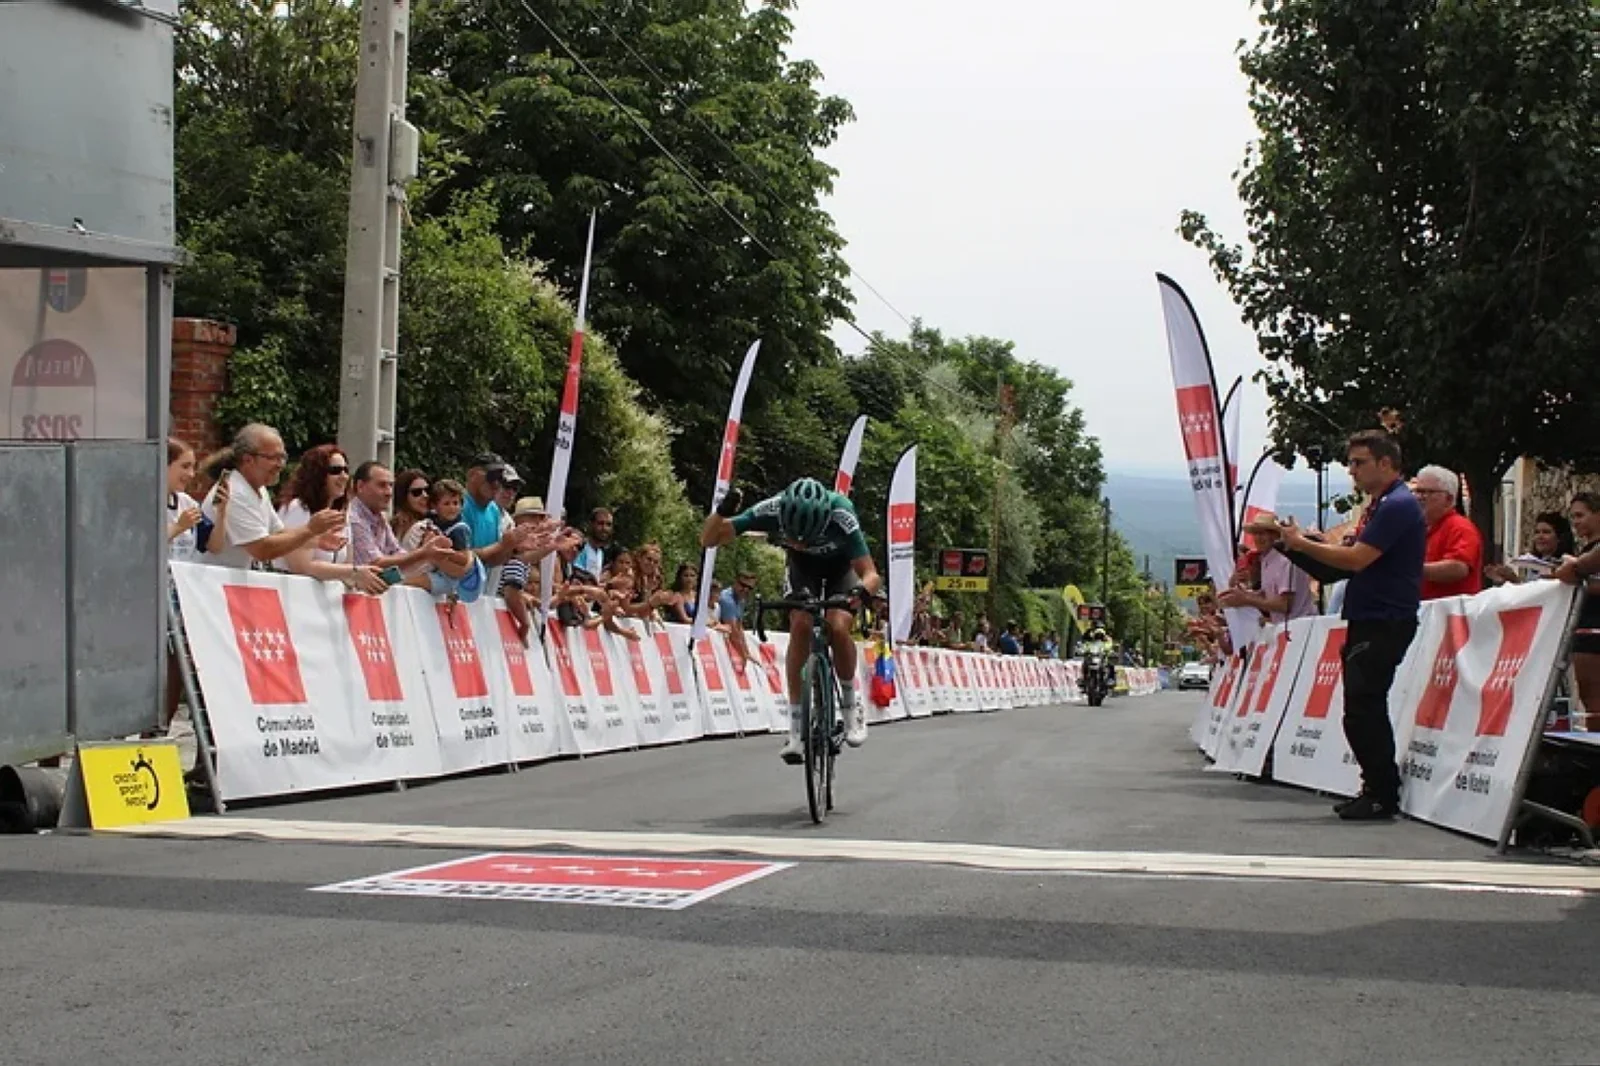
{"points": [[818, 738]]}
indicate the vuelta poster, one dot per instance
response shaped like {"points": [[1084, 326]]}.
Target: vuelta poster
{"points": [[72, 348]]}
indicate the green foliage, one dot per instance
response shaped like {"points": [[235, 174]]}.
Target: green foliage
{"points": [[1423, 209], [263, 143], [676, 281]]}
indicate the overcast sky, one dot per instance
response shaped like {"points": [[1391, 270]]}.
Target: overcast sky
{"points": [[1017, 169]]}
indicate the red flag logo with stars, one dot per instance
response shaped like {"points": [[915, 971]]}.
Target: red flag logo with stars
{"points": [[261, 631]]}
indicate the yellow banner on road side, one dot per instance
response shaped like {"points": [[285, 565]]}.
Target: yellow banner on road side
{"points": [[126, 783], [1075, 600]]}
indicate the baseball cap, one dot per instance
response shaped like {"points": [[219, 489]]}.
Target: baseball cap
{"points": [[488, 460], [504, 474]]}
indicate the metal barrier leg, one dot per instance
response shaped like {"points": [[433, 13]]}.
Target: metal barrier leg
{"points": [[205, 752], [1520, 807]]}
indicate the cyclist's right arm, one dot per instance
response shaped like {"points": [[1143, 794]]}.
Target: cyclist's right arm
{"points": [[721, 528]]}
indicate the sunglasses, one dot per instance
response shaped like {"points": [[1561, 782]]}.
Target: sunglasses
{"points": [[417, 490], [336, 471]]}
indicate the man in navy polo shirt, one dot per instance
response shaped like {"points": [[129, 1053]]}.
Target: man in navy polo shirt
{"points": [[1381, 601]]}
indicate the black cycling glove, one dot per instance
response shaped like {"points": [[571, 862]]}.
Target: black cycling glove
{"points": [[732, 503]]}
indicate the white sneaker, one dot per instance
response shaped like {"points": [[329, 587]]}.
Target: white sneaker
{"points": [[855, 725], [794, 751]]}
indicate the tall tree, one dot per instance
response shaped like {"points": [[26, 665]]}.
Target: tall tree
{"points": [[652, 90], [1423, 212]]}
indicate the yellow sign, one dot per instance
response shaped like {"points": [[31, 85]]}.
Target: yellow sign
{"points": [[1193, 592], [1075, 600], [130, 783], [947, 583]]}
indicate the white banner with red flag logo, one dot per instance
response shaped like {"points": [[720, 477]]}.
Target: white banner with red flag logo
{"points": [[1259, 494], [725, 458], [555, 499], [1205, 449], [1311, 750], [719, 719], [519, 685], [748, 710], [261, 646], [845, 479], [473, 732], [1250, 731], [903, 546], [1473, 699], [1231, 407], [682, 697]]}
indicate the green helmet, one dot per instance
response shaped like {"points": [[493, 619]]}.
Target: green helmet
{"points": [[804, 509]]}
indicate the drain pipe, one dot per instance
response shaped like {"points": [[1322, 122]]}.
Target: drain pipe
{"points": [[31, 797]]}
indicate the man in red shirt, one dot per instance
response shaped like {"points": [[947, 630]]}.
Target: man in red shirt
{"points": [[1454, 565]]}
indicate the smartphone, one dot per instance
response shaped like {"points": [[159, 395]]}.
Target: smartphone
{"points": [[391, 575]]}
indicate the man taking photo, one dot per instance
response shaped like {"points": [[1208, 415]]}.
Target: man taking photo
{"points": [[1381, 601]]}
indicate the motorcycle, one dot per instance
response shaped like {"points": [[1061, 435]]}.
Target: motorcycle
{"points": [[1096, 679]]}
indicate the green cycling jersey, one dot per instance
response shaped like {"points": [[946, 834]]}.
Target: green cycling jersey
{"points": [[841, 539]]}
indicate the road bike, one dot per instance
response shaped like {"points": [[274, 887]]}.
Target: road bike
{"points": [[821, 725]]}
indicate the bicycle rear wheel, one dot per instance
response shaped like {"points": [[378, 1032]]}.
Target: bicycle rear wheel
{"points": [[818, 737]]}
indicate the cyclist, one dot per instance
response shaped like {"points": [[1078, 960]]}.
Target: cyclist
{"points": [[827, 555]]}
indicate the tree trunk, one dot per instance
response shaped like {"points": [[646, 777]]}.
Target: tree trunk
{"points": [[1484, 482]]}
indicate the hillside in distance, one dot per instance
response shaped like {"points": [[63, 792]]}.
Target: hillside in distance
{"points": [[1156, 513]]}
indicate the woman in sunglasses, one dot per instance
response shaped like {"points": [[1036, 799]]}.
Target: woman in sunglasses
{"points": [[411, 489], [321, 480]]}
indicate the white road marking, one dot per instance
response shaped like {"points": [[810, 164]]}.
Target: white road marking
{"points": [[1460, 875]]}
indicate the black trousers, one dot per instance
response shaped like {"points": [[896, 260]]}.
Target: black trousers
{"points": [[1372, 653]]}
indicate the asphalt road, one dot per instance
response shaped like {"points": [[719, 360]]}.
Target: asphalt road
{"points": [[214, 951]]}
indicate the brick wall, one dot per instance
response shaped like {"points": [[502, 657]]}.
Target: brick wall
{"points": [[200, 351]]}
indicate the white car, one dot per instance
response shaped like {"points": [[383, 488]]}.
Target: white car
{"points": [[1194, 675]]}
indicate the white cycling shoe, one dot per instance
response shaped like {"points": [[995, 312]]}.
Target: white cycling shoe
{"points": [[794, 750], [855, 725]]}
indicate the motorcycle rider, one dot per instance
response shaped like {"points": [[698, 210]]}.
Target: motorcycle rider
{"points": [[1099, 643]]}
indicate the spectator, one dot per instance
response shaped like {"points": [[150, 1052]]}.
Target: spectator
{"points": [[1009, 644], [1381, 601], [980, 639], [1551, 542], [508, 487], [411, 502], [1048, 648], [373, 542], [457, 572], [253, 534], [1284, 592], [685, 587], [183, 513], [321, 480], [1454, 564], [1583, 570], [650, 586], [489, 540], [598, 549], [518, 577]]}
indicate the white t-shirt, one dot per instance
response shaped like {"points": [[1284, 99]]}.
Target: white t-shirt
{"points": [[181, 548], [295, 514], [250, 518]]}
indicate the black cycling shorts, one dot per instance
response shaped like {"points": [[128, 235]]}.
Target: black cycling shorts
{"points": [[818, 577]]}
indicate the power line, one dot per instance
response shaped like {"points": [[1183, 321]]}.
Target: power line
{"points": [[733, 153], [700, 186]]}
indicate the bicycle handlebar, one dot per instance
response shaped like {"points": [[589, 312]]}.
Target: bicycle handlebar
{"points": [[808, 604]]}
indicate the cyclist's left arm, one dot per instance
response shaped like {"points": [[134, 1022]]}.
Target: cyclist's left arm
{"points": [[867, 572]]}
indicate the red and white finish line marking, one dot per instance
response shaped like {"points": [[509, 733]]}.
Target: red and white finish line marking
{"points": [[600, 881]]}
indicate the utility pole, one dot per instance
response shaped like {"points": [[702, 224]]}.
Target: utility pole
{"points": [[1004, 399], [384, 160], [1145, 608], [1105, 568]]}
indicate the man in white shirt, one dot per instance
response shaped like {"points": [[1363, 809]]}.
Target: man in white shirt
{"points": [[1285, 592], [251, 531]]}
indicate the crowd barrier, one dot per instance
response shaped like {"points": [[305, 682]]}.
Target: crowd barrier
{"points": [[307, 687], [1468, 704]]}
